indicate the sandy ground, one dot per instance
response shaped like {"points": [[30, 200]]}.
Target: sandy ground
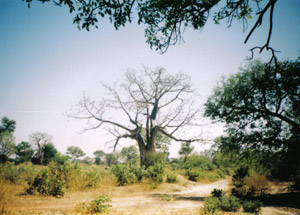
{"points": [[182, 198]]}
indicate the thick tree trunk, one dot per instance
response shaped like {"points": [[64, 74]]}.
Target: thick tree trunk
{"points": [[144, 149]]}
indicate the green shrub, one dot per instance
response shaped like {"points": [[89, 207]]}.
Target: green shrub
{"points": [[212, 176], [230, 203], [140, 172], [93, 177], [217, 193], [252, 206], [221, 174], [211, 205], [124, 174], [172, 177], [95, 206], [49, 181], [156, 173], [239, 176], [194, 174], [199, 162]]}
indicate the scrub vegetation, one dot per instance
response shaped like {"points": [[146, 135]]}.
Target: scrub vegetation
{"points": [[253, 167]]}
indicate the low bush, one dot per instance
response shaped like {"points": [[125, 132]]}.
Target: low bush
{"points": [[124, 174], [93, 176], [49, 181], [252, 206], [211, 205], [194, 174], [156, 173], [95, 206], [140, 172], [230, 203], [172, 177]]}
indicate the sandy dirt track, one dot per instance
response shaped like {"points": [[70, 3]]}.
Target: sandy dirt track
{"points": [[184, 198]]}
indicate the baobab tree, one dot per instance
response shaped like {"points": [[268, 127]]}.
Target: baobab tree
{"points": [[148, 100], [38, 140]]}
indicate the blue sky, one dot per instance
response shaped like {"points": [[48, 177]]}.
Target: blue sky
{"points": [[46, 63]]}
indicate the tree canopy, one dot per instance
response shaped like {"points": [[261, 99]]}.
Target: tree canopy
{"points": [[166, 20], [75, 152], [260, 106], [7, 140], [150, 100]]}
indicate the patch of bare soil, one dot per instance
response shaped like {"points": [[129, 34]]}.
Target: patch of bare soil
{"points": [[183, 198]]}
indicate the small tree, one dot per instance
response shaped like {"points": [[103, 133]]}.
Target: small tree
{"points": [[99, 155], [75, 152], [111, 159], [38, 140], [7, 140], [49, 153], [24, 152], [7, 125], [130, 154], [186, 149], [7, 145]]}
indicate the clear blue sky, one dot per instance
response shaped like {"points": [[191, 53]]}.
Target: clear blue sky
{"points": [[46, 63]]}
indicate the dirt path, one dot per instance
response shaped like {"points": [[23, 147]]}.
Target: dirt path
{"points": [[183, 198]]}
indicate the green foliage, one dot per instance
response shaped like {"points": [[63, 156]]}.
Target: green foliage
{"points": [[7, 145], [49, 153], [24, 152], [92, 177], [239, 176], [252, 206], [199, 162], [211, 205], [156, 173], [131, 155], [230, 203], [75, 152], [124, 174], [98, 205], [260, 106], [165, 21], [10, 172], [140, 172], [49, 181], [111, 159], [194, 174], [217, 193], [152, 158], [99, 155], [95, 206], [186, 149], [7, 125], [172, 177]]}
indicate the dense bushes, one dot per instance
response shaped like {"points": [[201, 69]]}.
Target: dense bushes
{"points": [[250, 183], [55, 179], [252, 206], [172, 177], [229, 204], [124, 174]]}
